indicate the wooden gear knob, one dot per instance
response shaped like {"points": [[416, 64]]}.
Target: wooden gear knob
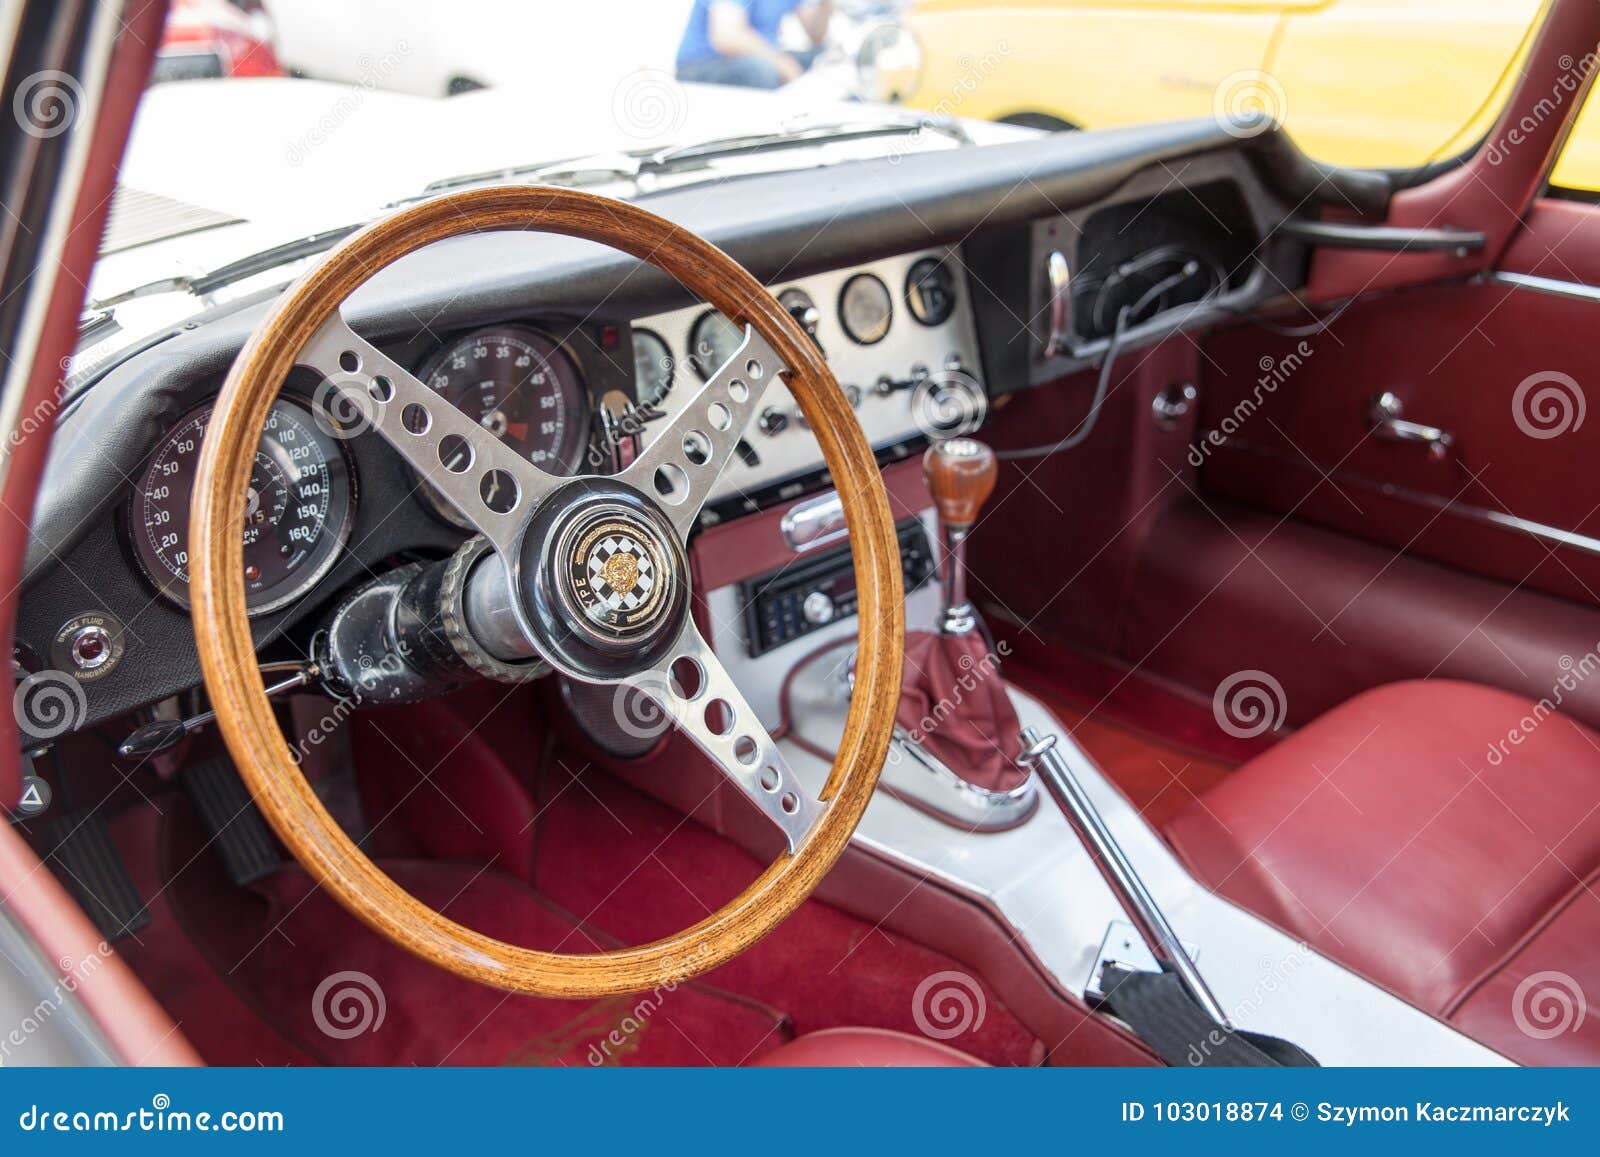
{"points": [[960, 474]]}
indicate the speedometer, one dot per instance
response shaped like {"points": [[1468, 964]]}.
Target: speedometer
{"points": [[296, 511]]}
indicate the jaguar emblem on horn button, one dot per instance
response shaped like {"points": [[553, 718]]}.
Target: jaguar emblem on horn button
{"points": [[617, 574]]}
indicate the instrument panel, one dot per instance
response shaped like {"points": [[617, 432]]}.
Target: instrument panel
{"points": [[898, 334]]}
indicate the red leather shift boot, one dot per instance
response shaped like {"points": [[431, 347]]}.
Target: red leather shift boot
{"points": [[954, 703]]}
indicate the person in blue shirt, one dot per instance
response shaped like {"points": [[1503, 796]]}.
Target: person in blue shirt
{"points": [[736, 41]]}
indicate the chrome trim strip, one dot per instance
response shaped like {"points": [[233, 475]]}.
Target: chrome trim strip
{"points": [[1575, 290], [1554, 535]]}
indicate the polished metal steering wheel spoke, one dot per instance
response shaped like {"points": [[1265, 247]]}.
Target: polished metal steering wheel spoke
{"points": [[685, 459], [494, 488], [695, 691]]}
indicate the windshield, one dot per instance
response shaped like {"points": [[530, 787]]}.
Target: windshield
{"points": [[1389, 84], [271, 128]]}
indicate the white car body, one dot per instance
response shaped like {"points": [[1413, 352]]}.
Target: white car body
{"points": [[270, 161]]}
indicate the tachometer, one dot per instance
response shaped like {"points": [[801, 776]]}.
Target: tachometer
{"points": [[518, 384], [297, 510]]}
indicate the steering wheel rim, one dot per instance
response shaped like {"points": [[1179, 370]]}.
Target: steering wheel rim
{"points": [[227, 652]]}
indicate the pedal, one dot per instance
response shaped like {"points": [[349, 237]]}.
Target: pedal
{"points": [[238, 832], [88, 863]]}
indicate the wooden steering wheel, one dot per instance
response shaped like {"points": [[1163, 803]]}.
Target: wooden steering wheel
{"points": [[552, 535]]}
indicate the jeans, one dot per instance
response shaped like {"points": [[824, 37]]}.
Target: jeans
{"points": [[742, 71]]}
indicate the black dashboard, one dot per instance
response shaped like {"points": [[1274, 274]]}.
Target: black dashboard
{"points": [[923, 278]]}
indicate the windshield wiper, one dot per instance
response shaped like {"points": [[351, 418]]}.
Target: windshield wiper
{"points": [[631, 166], [234, 271]]}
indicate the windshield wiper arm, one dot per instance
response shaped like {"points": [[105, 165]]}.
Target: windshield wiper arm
{"points": [[630, 166], [690, 156], [234, 271]]}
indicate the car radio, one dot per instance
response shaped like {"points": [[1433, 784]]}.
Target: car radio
{"points": [[786, 604]]}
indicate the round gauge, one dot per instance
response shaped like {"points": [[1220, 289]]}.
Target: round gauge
{"points": [[653, 367], [521, 386], [296, 515], [930, 291], [865, 309], [713, 340]]}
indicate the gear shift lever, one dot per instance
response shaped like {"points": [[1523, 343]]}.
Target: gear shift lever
{"points": [[960, 474]]}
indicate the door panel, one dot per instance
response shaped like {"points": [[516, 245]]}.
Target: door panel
{"points": [[1500, 367]]}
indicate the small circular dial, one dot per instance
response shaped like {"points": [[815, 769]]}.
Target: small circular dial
{"points": [[865, 309], [296, 511], [653, 367], [930, 291], [713, 340]]}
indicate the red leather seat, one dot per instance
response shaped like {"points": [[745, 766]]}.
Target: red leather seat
{"points": [[865, 1048], [1442, 839]]}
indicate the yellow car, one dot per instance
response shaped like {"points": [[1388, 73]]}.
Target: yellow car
{"points": [[1370, 83]]}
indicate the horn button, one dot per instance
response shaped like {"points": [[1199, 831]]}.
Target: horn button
{"points": [[603, 579]]}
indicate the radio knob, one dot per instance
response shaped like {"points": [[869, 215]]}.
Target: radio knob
{"points": [[772, 421], [818, 608]]}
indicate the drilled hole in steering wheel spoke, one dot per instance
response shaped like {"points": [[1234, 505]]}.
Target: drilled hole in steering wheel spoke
{"points": [[455, 453], [499, 491], [697, 447], [688, 678], [720, 717], [415, 418], [671, 483]]}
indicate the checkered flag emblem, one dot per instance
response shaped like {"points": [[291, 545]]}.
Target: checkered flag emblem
{"points": [[610, 570]]}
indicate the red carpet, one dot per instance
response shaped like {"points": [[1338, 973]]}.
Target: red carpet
{"points": [[639, 870], [241, 968]]}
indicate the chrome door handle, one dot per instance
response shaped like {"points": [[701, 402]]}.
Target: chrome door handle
{"points": [[1385, 415], [1060, 278]]}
